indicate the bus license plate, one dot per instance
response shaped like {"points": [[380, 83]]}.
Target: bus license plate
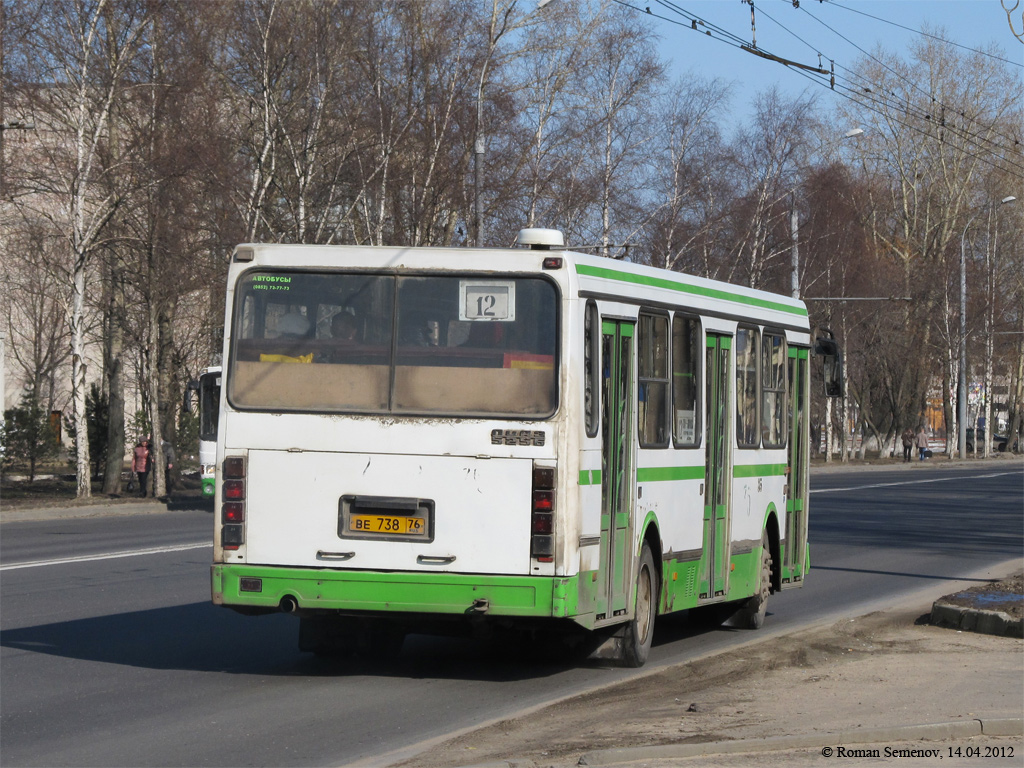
{"points": [[398, 525]]}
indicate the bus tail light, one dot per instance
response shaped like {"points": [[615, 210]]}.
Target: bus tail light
{"points": [[542, 517], [232, 511]]}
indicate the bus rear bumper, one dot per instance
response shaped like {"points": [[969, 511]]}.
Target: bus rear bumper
{"points": [[255, 587]]}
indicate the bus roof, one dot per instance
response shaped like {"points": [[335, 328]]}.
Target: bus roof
{"points": [[592, 275]]}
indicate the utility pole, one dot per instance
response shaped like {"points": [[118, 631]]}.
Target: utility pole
{"points": [[794, 232], [15, 125]]}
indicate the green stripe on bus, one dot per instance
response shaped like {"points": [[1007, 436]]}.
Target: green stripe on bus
{"points": [[647, 474], [325, 588], [673, 285], [758, 470], [624, 327], [658, 474]]}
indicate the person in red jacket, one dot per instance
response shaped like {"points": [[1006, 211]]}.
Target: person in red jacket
{"points": [[140, 464]]}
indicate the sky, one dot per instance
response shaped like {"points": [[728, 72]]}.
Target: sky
{"points": [[799, 34]]}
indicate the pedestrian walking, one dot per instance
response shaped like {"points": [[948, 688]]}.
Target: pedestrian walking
{"points": [[140, 464], [908, 443], [921, 441]]}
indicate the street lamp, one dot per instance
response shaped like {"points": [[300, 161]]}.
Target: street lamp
{"points": [[961, 386]]}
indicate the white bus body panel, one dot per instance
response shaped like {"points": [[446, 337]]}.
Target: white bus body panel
{"points": [[474, 500]]}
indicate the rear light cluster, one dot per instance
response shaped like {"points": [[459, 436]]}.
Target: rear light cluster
{"points": [[232, 509], [542, 518]]}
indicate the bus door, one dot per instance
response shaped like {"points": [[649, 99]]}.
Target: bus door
{"points": [[714, 573], [799, 438], [617, 438]]}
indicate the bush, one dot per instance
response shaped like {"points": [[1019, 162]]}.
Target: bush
{"points": [[27, 437], [97, 416]]}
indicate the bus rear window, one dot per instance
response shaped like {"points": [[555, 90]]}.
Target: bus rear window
{"points": [[451, 345]]}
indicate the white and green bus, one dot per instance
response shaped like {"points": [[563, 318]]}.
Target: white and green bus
{"points": [[206, 390], [439, 439]]}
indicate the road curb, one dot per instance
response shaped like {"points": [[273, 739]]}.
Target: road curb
{"points": [[976, 620], [956, 729]]}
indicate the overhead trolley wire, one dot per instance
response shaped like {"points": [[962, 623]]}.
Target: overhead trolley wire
{"points": [[977, 138], [858, 94], [911, 83], [925, 34], [981, 142], [872, 103]]}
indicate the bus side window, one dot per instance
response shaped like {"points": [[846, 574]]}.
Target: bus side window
{"points": [[591, 361], [747, 347], [686, 355], [773, 390], [652, 393]]}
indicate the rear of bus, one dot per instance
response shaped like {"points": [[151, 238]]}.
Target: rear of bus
{"points": [[387, 455]]}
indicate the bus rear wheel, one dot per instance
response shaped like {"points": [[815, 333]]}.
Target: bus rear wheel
{"points": [[752, 613], [639, 631]]}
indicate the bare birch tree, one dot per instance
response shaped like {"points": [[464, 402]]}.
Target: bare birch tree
{"points": [[936, 123], [72, 70]]}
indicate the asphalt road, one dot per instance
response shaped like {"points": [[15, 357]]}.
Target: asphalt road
{"points": [[122, 660]]}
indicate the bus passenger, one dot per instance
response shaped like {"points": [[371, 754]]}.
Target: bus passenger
{"points": [[344, 327]]}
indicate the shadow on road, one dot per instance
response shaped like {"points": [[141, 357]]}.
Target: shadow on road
{"points": [[198, 503], [201, 637]]}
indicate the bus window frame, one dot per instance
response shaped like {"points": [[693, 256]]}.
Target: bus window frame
{"points": [[239, 297], [756, 418], [666, 380], [763, 391], [592, 368], [698, 374]]}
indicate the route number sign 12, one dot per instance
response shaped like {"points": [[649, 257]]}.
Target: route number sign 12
{"points": [[490, 300]]}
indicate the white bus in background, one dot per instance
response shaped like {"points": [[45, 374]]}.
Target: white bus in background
{"points": [[207, 393], [438, 439]]}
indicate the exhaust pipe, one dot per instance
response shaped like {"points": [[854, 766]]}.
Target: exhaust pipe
{"points": [[289, 604]]}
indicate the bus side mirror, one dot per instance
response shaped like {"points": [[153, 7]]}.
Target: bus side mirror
{"points": [[832, 359], [187, 405]]}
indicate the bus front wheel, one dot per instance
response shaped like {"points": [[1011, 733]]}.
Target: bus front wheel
{"points": [[640, 631]]}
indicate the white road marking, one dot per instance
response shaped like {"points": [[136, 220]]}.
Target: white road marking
{"points": [[106, 556], [910, 482]]}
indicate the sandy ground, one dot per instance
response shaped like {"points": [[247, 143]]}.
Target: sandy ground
{"points": [[881, 670]]}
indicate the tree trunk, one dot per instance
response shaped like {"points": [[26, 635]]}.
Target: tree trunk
{"points": [[153, 386], [78, 371], [828, 430], [947, 412], [115, 381], [165, 383]]}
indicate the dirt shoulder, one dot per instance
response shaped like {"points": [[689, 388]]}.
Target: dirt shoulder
{"points": [[883, 669]]}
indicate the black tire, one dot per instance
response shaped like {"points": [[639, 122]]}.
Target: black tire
{"points": [[639, 632], [751, 613]]}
